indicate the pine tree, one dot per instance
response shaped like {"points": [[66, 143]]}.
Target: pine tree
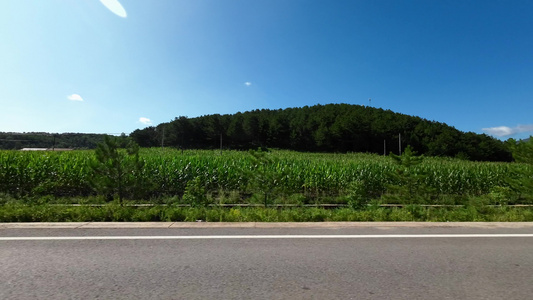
{"points": [[410, 186], [116, 171], [265, 179]]}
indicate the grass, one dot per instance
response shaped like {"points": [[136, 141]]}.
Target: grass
{"points": [[18, 212]]}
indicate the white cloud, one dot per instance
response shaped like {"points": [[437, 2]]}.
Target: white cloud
{"points": [[74, 97], [502, 131], [115, 7], [247, 83], [145, 121]]}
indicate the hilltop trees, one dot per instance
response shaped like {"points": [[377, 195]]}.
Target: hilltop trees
{"points": [[11, 140], [323, 128]]}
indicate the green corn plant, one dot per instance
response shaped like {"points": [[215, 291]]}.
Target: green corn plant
{"points": [[317, 175]]}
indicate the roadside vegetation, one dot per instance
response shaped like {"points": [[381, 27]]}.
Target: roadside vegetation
{"points": [[18, 212], [194, 185]]}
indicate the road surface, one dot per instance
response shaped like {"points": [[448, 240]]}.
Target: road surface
{"points": [[267, 261]]}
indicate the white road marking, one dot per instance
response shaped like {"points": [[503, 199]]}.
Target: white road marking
{"points": [[222, 237]]}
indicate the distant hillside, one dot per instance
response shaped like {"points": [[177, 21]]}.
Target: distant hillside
{"points": [[327, 128], [15, 141]]}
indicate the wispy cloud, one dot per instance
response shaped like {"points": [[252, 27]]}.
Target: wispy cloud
{"points": [[145, 121], [247, 83], [115, 7], [502, 131], [74, 97]]}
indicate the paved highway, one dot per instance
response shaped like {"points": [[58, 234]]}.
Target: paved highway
{"points": [[267, 261]]}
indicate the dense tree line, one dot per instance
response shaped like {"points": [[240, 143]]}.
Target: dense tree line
{"points": [[15, 141], [325, 128]]}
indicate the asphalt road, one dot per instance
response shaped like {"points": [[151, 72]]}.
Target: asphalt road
{"points": [[380, 261]]}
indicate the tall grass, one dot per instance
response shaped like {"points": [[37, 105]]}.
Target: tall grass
{"points": [[16, 212]]}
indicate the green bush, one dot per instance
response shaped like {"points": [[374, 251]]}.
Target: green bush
{"points": [[358, 197], [195, 194]]}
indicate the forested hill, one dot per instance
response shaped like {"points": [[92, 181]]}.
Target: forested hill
{"points": [[328, 128], [15, 140]]}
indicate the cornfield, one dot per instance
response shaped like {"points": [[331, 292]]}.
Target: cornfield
{"points": [[167, 172]]}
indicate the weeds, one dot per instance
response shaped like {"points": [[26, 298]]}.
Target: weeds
{"points": [[17, 212]]}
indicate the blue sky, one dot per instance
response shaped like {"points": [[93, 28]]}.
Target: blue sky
{"points": [[77, 66]]}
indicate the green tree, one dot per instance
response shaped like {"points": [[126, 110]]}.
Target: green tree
{"points": [[196, 194], [264, 177], [409, 180], [116, 171], [523, 151], [522, 181], [331, 127]]}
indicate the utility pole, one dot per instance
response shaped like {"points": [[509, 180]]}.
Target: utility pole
{"points": [[400, 143], [221, 143], [163, 139], [384, 147]]}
